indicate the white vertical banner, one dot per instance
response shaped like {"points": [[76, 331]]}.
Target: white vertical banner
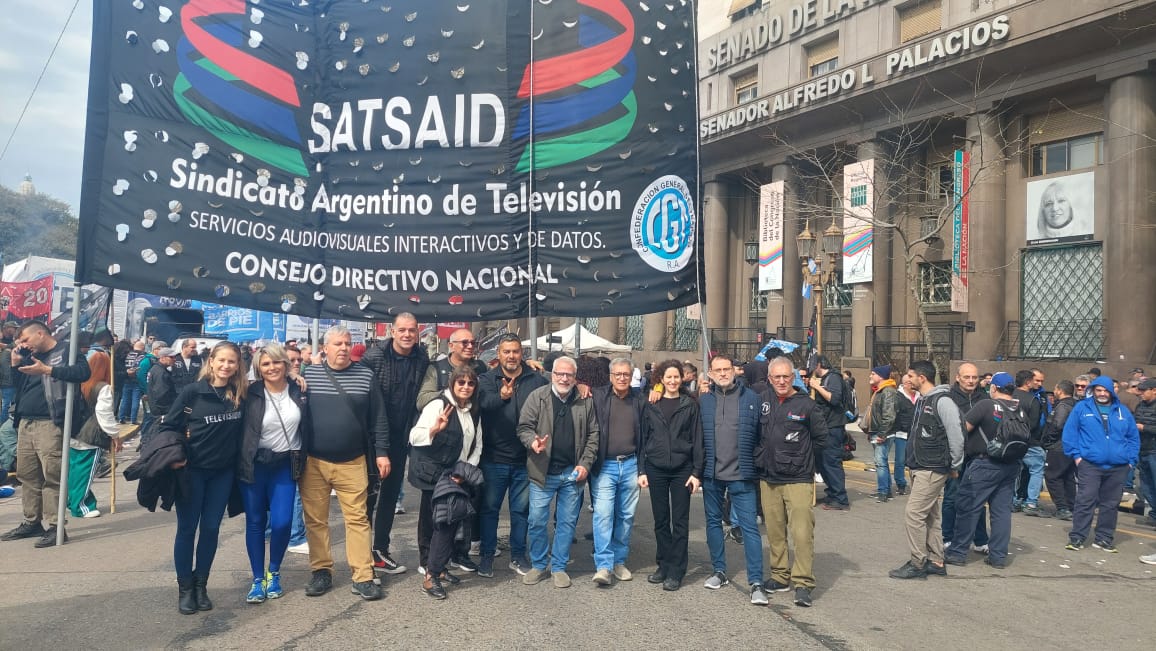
{"points": [[858, 215], [771, 202]]}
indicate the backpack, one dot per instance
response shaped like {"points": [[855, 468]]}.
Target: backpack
{"points": [[850, 400], [1010, 442]]}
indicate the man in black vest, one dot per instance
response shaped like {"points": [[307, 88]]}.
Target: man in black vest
{"points": [[40, 372], [934, 451], [186, 366]]}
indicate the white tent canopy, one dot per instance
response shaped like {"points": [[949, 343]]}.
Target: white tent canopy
{"points": [[588, 341]]}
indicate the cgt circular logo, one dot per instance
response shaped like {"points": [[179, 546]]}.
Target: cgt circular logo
{"points": [[662, 226]]}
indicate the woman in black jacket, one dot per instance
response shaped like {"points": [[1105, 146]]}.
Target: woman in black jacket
{"points": [[672, 461], [210, 411], [449, 430], [274, 418]]}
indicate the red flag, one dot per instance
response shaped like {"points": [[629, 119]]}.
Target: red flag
{"points": [[28, 300]]}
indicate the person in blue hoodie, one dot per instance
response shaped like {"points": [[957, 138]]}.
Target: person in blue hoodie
{"points": [[1101, 436]]}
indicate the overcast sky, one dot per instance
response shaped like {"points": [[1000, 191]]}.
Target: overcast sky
{"points": [[49, 144]]}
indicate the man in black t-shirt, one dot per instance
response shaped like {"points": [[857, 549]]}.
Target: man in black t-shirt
{"points": [[828, 386]]}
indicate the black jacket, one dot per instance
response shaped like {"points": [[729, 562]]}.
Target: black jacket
{"points": [[162, 390], [500, 442], [601, 396], [1146, 415], [255, 405], [158, 480], [1031, 408], [674, 445], [399, 386], [964, 400], [1053, 437], [45, 396], [183, 377], [793, 433], [452, 502]]}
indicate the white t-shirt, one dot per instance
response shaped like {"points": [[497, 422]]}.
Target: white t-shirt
{"points": [[273, 435]]}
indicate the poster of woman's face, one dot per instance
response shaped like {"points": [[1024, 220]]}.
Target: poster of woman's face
{"points": [[1061, 209]]}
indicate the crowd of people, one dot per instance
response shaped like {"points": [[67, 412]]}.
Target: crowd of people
{"points": [[274, 433]]}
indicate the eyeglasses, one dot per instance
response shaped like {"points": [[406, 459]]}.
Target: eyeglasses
{"points": [[465, 342], [1081, 386], [728, 369], [620, 374], [563, 376], [465, 383]]}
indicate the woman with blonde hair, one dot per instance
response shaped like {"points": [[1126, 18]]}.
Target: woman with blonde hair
{"points": [[209, 413]]}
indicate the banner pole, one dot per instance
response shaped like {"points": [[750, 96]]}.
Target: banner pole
{"points": [[116, 404], [70, 393]]}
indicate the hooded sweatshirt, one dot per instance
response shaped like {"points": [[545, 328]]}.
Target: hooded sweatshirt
{"points": [[1105, 435]]}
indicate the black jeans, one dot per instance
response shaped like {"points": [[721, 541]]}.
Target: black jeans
{"points": [[670, 503], [831, 467], [1060, 475], [381, 515], [1097, 487], [440, 548]]}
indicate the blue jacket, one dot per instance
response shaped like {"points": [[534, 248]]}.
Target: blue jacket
{"points": [[749, 406], [1086, 437]]}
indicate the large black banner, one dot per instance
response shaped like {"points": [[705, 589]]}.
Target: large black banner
{"points": [[459, 159]]}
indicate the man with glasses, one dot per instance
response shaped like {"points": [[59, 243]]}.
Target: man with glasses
{"points": [[615, 489], [463, 351], [398, 364], [730, 428], [1081, 386], [502, 392], [559, 429]]}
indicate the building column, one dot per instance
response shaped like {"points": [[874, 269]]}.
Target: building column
{"points": [[871, 302], [608, 328], [654, 331], [785, 306], [1130, 240], [716, 246], [987, 235]]}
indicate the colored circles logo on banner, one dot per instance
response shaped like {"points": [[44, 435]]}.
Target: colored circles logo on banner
{"points": [[662, 226]]}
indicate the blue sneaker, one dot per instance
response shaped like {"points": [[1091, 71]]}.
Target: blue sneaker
{"points": [[257, 592], [7, 491], [273, 585], [486, 567]]}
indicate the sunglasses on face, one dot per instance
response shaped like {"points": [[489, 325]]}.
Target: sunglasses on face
{"points": [[465, 383]]}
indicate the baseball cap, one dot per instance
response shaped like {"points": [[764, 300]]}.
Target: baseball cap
{"points": [[1148, 384], [1004, 382], [165, 352]]}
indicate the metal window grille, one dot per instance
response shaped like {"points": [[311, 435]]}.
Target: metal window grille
{"points": [[634, 332], [935, 283], [591, 324], [758, 302], [837, 296], [686, 331], [1063, 303]]}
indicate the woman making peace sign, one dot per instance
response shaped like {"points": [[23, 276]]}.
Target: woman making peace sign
{"points": [[448, 431]]}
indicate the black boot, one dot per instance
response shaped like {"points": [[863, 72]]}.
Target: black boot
{"points": [[186, 602], [199, 593]]}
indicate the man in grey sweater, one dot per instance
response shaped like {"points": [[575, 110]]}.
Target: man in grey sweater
{"points": [[934, 451]]}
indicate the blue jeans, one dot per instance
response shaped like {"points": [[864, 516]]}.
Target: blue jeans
{"points": [[200, 507], [1034, 462], [831, 467], [129, 402], [269, 499], [744, 507], [8, 394], [297, 531], [1147, 466], [503, 478], [566, 514], [882, 469], [614, 492], [994, 484], [899, 470]]}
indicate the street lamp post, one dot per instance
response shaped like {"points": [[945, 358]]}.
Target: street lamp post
{"points": [[809, 250]]}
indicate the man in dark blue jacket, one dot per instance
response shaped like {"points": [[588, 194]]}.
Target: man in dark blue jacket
{"points": [[792, 435], [730, 426], [501, 393], [1102, 438], [614, 483]]}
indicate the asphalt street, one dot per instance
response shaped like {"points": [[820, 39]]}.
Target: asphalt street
{"points": [[112, 587]]}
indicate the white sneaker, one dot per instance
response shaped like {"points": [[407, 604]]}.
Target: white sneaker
{"points": [[95, 513], [303, 548], [1150, 559], [946, 545], [476, 548], [979, 549], [818, 478]]}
